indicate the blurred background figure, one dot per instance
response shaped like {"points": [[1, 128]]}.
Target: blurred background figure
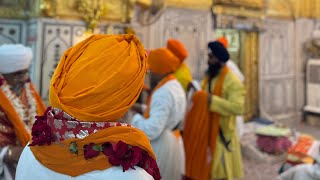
{"points": [[19, 104]]}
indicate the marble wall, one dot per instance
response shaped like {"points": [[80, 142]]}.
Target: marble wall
{"points": [[282, 69], [193, 27]]}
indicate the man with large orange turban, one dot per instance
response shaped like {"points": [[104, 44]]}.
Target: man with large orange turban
{"points": [[78, 137], [165, 110]]}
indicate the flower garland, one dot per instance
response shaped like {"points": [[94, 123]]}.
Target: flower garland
{"points": [[119, 154], [26, 114]]}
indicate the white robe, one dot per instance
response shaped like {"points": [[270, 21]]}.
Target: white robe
{"points": [[168, 106], [301, 172], [30, 168]]}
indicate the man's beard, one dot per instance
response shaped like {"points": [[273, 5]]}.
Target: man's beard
{"points": [[214, 70], [17, 88]]}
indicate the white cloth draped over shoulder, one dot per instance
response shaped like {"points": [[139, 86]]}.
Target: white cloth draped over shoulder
{"points": [[302, 172], [235, 69], [168, 106]]}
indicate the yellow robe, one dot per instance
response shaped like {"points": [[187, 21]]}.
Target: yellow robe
{"points": [[228, 165]]}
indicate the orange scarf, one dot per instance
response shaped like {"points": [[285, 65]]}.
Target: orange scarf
{"points": [[214, 123], [201, 131], [20, 129], [58, 158], [159, 85]]}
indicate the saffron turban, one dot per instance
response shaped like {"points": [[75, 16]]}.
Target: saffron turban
{"points": [[223, 41], [14, 57], [183, 73], [177, 48], [162, 61], [100, 78]]}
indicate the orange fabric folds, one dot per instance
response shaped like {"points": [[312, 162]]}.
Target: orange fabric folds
{"points": [[196, 138], [21, 130], [97, 80], [178, 49], [201, 131], [58, 157], [23, 134], [162, 61], [100, 78]]}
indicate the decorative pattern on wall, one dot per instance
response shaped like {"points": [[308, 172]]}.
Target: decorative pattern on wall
{"points": [[53, 38], [12, 32]]}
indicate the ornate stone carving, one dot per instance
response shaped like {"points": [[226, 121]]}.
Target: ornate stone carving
{"points": [[117, 10], [234, 22], [281, 9], [12, 32], [92, 11], [245, 3], [190, 4]]}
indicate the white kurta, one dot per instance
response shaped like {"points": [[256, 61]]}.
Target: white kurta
{"points": [[30, 168], [302, 172], [168, 106]]}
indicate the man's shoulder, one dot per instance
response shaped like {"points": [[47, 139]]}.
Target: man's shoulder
{"points": [[232, 77], [172, 87]]}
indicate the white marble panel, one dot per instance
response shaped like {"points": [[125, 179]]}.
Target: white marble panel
{"points": [[277, 70], [12, 31]]}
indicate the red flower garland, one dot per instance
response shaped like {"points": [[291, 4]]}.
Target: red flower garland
{"points": [[41, 131], [120, 154]]}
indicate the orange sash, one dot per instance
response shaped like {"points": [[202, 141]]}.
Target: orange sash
{"points": [[214, 123], [20, 129], [58, 158], [201, 131]]}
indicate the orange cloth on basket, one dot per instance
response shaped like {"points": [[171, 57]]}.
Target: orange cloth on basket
{"points": [[201, 131], [96, 80]]}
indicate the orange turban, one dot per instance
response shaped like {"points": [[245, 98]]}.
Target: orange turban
{"points": [[162, 61], [177, 48], [223, 41], [97, 80], [81, 86]]}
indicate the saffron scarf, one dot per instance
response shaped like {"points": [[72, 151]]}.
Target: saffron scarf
{"points": [[201, 131]]}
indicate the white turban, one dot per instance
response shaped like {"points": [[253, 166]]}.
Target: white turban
{"points": [[14, 57]]}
